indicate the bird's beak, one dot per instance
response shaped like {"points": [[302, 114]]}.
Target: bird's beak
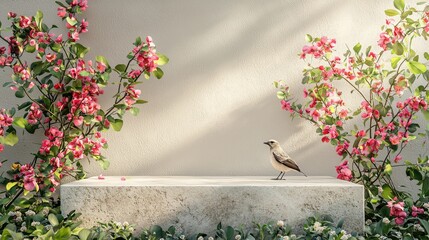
{"points": [[267, 143]]}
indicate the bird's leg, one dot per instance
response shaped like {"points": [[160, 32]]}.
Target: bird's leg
{"points": [[282, 176], [277, 178]]}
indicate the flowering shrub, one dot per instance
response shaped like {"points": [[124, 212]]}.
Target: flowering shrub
{"points": [[58, 92], [391, 80]]}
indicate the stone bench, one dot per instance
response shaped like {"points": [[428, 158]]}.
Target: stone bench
{"points": [[198, 204]]}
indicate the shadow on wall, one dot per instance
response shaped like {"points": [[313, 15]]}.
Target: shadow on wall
{"points": [[200, 72]]}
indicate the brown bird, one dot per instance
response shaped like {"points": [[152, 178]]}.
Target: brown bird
{"points": [[280, 160]]}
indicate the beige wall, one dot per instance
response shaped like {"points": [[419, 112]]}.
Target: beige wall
{"points": [[216, 104]]}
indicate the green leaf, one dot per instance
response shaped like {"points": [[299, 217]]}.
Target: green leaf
{"points": [[70, 21], [357, 48], [158, 73], [394, 61], [391, 12], [104, 164], [281, 95], [80, 50], [84, 234], [308, 38], [19, 93], [425, 225], [10, 185], [102, 59], [399, 4], [138, 41], [416, 67], [120, 67], [53, 220], [117, 124], [134, 111], [398, 48], [162, 59], [20, 122], [11, 139], [63, 234], [425, 186], [140, 101], [387, 192], [56, 47], [426, 55], [426, 114], [39, 18], [37, 67], [230, 233], [388, 169], [30, 49]]}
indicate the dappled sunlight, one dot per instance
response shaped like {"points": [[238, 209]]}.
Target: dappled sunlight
{"points": [[216, 104]]}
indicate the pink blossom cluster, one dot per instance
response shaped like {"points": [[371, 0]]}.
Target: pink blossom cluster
{"points": [[132, 95], [81, 146], [27, 171], [426, 21], [73, 25], [390, 36], [35, 114], [415, 211], [146, 55], [5, 60], [318, 47], [5, 121], [408, 107], [343, 171], [397, 210]]}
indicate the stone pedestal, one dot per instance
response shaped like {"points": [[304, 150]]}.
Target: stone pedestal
{"points": [[198, 204]]}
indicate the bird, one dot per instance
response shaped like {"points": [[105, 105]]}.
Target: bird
{"points": [[281, 160]]}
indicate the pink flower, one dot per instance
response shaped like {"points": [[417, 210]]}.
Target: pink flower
{"points": [[123, 179], [74, 36], [286, 105], [344, 173], [101, 177], [342, 147], [24, 21], [61, 12], [59, 39], [45, 148], [384, 40], [1, 149], [131, 95], [76, 146], [397, 211], [397, 159], [29, 179], [11, 14], [343, 113], [101, 67], [34, 115], [361, 133], [395, 140], [78, 120], [51, 57], [416, 211], [134, 74]]}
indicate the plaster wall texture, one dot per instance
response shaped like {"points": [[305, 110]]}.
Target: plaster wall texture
{"points": [[197, 204], [216, 103]]}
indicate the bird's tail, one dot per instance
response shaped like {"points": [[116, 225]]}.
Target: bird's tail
{"points": [[303, 173]]}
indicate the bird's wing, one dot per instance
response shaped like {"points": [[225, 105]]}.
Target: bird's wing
{"points": [[286, 160]]}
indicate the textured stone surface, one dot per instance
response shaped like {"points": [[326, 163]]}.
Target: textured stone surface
{"points": [[198, 204]]}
